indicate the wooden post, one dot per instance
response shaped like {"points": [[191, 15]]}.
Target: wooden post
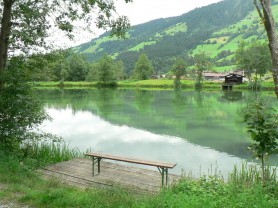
{"points": [[98, 164], [166, 170], [162, 176], [93, 166]]}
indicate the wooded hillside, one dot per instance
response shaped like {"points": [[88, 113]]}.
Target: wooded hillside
{"points": [[216, 29]]}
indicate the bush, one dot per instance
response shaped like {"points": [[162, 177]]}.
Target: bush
{"points": [[20, 110]]}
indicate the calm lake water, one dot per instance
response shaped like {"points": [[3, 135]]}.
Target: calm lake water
{"points": [[200, 131]]}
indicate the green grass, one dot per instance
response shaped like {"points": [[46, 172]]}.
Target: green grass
{"points": [[166, 84], [213, 192], [39, 154], [224, 68], [221, 37], [212, 48], [21, 184], [147, 83], [97, 44], [64, 84], [152, 84], [180, 27], [142, 45]]}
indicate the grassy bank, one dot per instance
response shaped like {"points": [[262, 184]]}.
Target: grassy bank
{"points": [[20, 182], [162, 83]]}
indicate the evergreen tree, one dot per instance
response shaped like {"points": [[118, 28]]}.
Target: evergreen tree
{"points": [[202, 63], [179, 69], [143, 68], [106, 71]]}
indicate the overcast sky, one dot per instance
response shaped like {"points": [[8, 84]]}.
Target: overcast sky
{"points": [[141, 11]]}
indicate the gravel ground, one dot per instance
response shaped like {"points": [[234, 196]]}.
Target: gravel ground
{"points": [[5, 204], [11, 205]]}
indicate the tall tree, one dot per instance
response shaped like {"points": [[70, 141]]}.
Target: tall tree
{"points": [[120, 70], [265, 12], [202, 63], [178, 69], [47, 66], [78, 68], [93, 73], [143, 68], [253, 58], [25, 23], [106, 71], [243, 59]]}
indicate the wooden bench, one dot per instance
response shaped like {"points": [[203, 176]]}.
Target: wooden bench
{"points": [[162, 166]]}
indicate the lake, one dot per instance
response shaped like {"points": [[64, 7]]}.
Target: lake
{"points": [[201, 131]]}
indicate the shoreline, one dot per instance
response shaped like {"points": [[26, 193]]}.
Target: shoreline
{"points": [[150, 84]]}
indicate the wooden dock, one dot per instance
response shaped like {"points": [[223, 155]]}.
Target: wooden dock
{"points": [[78, 172], [227, 86]]}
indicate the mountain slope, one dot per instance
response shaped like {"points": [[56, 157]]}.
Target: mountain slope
{"points": [[211, 28]]}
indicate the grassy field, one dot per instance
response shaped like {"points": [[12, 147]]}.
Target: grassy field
{"points": [[98, 42], [225, 68], [154, 83], [64, 84], [20, 183], [142, 45], [180, 27]]}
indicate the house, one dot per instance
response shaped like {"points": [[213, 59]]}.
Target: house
{"points": [[155, 76], [233, 78], [213, 76]]}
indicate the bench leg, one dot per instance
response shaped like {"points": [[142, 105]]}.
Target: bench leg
{"points": [[94, 161], [166, 171], [164, 175], [93, 166], [98, 164], [162, 169]]}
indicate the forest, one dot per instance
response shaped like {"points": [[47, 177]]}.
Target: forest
{"points": [[165, 39]]}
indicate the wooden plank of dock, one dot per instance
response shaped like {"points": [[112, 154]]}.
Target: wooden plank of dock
{"points": [[78, 172]]}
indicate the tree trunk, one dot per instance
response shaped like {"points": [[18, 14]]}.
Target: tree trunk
{"points": [[4, 36], [270, 27]]}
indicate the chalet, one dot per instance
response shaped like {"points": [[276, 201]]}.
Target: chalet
{"points": [[233, 78], [155, 76], [213, 76]]}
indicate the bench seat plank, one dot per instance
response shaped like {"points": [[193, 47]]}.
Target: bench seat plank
{"points": [[132, 160]]}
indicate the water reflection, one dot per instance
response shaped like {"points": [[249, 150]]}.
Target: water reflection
{"points": [[233, 95], [105, 100], [179, 101], [143, 100], [85, 130], [192, 128]]}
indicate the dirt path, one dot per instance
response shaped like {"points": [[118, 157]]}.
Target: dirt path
{"points": [[4, 204], [9, 204]]}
